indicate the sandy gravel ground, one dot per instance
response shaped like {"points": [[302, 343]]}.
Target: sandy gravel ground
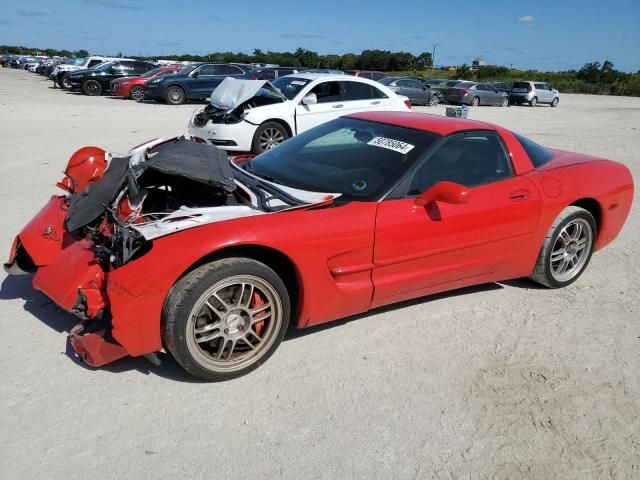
{"points": [[498, 381]]}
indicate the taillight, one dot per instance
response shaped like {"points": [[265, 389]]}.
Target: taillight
{"points": [[407, 102], [465, 91], [529, 88]]}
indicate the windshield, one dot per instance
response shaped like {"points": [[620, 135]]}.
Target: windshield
{"points": [[290, 86], [75, 61], [361, 160]]}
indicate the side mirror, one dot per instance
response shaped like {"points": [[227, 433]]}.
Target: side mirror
{"points": [[195, 74], [310, 99], [446, 192]]}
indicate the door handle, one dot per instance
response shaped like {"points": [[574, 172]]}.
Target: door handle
{"points": [[339, 105], [519, 195], [377, 102]]}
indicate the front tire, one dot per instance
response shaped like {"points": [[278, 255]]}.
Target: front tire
{"points": [[175, 96], [226, 318], [137, 94], [267, 136], [64, 82], [92, 88], [567, 248], [555, 102]]}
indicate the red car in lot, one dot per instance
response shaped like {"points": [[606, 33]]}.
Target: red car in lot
{"points": [[132, 87], [175, 247]]}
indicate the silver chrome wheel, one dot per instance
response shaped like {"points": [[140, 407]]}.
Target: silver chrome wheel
{"points": [[175, 95], [270, 137], [570, 250], [234, 323], [137, 94]]}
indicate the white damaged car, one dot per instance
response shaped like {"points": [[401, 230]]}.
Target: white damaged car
{"points": [[256, 115]]}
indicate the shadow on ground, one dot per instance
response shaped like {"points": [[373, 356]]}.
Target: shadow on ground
{"points": [[42, 308]]}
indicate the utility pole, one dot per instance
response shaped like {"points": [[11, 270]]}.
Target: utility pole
{"points": [[433, 57]]}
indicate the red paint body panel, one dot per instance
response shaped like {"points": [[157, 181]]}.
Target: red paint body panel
{"points": [[121, 87], [420, 247], [347, 258], [44, 236]]}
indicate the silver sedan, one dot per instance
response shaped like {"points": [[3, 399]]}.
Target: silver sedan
{"points": [[475, 93]]}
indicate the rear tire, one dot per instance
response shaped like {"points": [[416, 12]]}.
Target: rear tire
{"points": [[92, 88], [226, 318], [475, 101], [567, 248], [533, 102], [267, 136], [175, 96], [555, 102]]}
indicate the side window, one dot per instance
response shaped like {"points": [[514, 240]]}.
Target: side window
{"points": [[268, 75], [93, 63], [328, 92], [539, 86], [359, 91], [207, 70], [481, 87], [471, 159], [141, 67], [415, 85], [227, 70]]}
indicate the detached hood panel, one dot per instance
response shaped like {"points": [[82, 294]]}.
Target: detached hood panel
{"points": [[231, 93]]}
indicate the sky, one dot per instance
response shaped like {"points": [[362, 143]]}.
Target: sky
{"points": [[541, 34]]}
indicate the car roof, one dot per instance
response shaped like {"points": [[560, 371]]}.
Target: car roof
{"points": [[424, 121]]}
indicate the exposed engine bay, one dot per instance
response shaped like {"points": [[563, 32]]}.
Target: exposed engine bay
{"points": [[163, 187], [233, 99]]}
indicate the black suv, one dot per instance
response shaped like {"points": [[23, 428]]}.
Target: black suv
{"points": [[97, 80], [193, 82]]}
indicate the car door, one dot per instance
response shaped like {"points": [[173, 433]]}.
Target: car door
{"points": [[407, 89], [419, 250], [493, 96], [362, 97], [330, 104], [421, 92]]}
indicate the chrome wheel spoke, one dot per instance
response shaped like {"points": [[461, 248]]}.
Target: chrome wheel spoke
{"points": [[557, 254], [209, 337], [259, 319], [214, 309], [577, 232], [208, 327]]}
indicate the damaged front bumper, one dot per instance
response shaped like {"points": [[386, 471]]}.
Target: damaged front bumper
{"points": [[67, 270], [236, 137]]}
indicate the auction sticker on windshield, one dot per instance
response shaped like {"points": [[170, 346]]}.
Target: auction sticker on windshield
{"points": [[391, 144]]}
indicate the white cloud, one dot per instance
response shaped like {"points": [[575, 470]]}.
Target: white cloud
{"points": [[528, 19]]}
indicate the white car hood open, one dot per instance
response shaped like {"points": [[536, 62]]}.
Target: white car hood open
{"points": [[232, 92]]}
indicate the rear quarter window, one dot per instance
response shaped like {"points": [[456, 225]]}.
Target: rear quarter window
{"points": [[537, 153]]}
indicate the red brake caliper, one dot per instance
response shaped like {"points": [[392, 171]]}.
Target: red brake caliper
{"points": [[258, 301]]}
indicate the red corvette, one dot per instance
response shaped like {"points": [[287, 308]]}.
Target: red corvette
{"points": [[132, 87], [176, 247]]}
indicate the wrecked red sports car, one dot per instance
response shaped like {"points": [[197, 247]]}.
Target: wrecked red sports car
{"points": [[174, 246]]}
